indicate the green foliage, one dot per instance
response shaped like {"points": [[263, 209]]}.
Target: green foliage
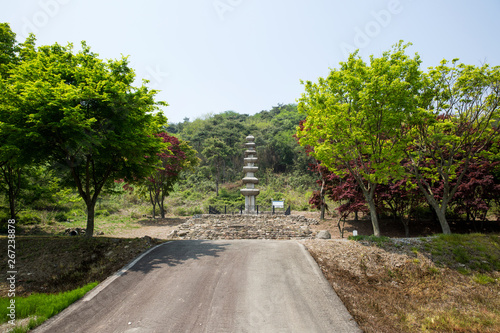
{"points": [[29, 217], [356, 118], [228, 197], [61, 217], [379, 240], [102, 212], [460, 110], [357, 109], [82, 115], [185, 211], [219, 140], [483, 279]]}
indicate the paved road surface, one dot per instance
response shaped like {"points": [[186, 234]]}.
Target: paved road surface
{"points": [[212, 286]]}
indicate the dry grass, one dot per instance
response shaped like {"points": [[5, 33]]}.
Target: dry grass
{"points": [[414, 286]]}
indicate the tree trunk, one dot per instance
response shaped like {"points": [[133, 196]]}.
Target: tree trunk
{"points": [[322, 192], [13, 180], [161, 206], [439, 210], [85, 188], [89, 232], [152, 200], [368, 192], [373, 215], [442, 220], [12, 204], [406, 225]]}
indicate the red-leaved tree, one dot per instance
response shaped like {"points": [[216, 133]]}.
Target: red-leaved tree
{"points": [[178, 157]]}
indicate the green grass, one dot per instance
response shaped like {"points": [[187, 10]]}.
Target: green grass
{"points": [[41, 306], [469, 252], [483, 279]]}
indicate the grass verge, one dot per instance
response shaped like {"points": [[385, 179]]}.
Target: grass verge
{"points": [[39, 307]]}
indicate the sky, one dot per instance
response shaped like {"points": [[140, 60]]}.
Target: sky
{"points": [[211, 56]]}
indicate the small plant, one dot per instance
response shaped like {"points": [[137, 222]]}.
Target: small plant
{"points": [[483, 279], [461, 255], [102, 212], [433, 270], [135, 215], [463, 271], [380, 241]]}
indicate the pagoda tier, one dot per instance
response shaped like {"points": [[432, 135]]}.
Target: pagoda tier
{"points": [[250, 192]]}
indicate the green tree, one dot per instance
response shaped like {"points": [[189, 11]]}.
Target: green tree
{"points": [[83, 114], [356, 117], [216, 152], [458, 126], [14, 151], [8, 49]]}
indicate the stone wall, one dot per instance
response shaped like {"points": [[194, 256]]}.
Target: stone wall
{"points": [[245, 227]]}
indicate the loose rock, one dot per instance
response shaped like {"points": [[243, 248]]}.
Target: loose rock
{"points": [[324, 234]]}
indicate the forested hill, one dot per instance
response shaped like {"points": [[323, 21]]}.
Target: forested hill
{"points": [[219, 140]]}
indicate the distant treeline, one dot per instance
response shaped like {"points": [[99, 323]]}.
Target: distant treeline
{"points": [[220, 142]]}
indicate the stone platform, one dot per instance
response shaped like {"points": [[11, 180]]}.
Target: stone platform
{"points": [[245, 227]]}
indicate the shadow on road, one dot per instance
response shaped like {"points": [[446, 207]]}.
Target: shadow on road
{"points": [[176, 253]]}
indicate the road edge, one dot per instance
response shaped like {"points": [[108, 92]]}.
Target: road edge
{"points": [[344, 313]]}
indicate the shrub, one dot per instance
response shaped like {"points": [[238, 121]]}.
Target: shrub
{"points": [[101, 212], [61, 217], [29, 217], [181, 211], [196, 211], [135, 215]]}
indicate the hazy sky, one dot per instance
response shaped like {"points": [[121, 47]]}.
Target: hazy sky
{"points": [[249, 55]]}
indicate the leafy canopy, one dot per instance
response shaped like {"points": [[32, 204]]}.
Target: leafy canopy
{"points": [[359, 111], [82, 115]]}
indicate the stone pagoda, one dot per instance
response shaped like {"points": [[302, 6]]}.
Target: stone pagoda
{"points": [[250, 168]]}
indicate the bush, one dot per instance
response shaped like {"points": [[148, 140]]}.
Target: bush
{"points": [[101, 212], [377, 240], [227, 198], [61, 217], [181, 211], [135, 215], [29, 217], [196, 211]]}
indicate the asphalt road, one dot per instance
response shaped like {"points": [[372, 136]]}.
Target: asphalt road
{"points": [[212, 286]]}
